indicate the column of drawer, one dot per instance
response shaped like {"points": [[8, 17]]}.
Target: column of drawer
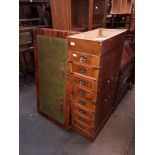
{"points": [[83, 119], [86, 129], [84, 70]]}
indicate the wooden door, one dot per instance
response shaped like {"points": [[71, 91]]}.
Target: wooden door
{"points": [[50, 68], [61, 14]]}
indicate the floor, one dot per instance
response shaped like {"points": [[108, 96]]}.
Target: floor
{"points": [[38, 136]]}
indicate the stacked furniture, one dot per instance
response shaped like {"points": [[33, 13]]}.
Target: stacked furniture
{"points": [[121, 6], [76, 76], [126, 72], [32, 14], [121, 14], [26, 57], [78, 15]]}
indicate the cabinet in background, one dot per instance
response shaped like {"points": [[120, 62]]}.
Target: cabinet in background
{"points": [[78, 15]]}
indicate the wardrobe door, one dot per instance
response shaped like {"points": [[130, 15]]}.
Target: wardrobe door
{"points": [[50, 68]]}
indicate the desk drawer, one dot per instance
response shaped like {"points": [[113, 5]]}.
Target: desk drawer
{"points": [[81, 119], [84, 70], [84, 112], [86, 129], [84, 58], [84, 82], [91, 105], [83, 93]]}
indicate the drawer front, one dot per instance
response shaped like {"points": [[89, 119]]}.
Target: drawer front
{"points": [[91, 105], [83, 70], [84, 82], [86, 129], [82, 119], [83, 93], [86, 46], [86, 113], [82, 132], [84, 58]]}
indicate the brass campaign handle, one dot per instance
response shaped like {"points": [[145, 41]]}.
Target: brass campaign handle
{"points": [[82, 82], [83, 71], [81, 119], [81, 102], [81, 126], [83, 58], [82, 92], [81, 111]]}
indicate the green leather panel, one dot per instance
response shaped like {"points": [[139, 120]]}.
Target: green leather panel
{"points": [[52, 54]]}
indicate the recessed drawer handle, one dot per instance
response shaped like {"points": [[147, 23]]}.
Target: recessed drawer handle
{"points": [[81, 119], [83, 59], [82, 92], [81, 102], [83, 71], [82, 82], [81, 111], [81, 126], [93, 102]]}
